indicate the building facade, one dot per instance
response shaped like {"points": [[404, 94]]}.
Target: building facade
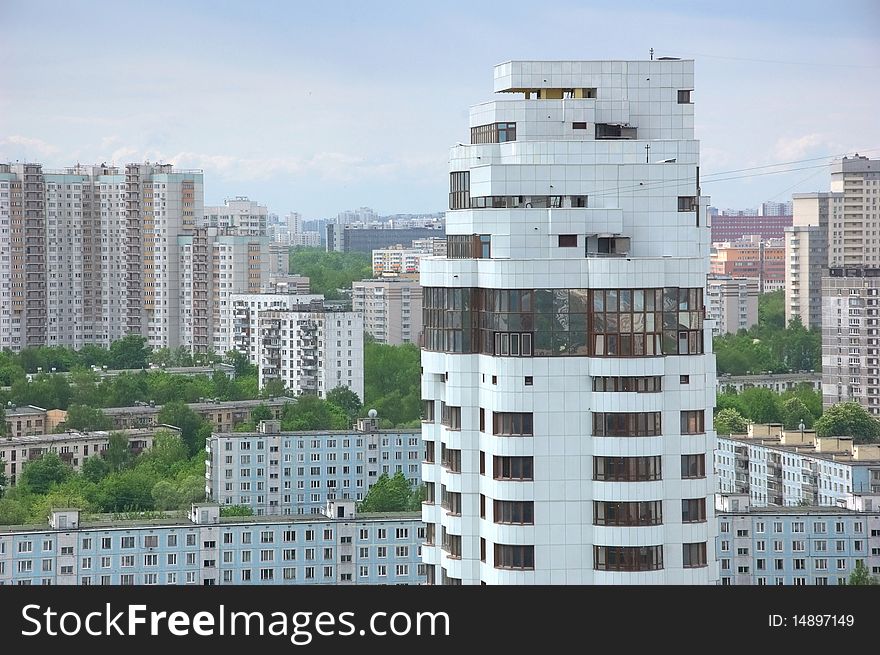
{"points": [[788, 468], [311, 351], [367, 239], [244, 310], [751, 257], [778, 382], [797, 545], [567, 376], [224, 416], [73, 447], [241, 214], [275, 472], [806, 255], [732, 303], [398, 261], [727, 227], [207, 549], [392, 309]]}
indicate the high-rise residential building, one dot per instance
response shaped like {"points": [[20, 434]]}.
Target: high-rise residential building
{"points": [[311, 351], [361, 215], [162, 204], [751, 257], [309, 467], [23, 295], [244, 311], [432, 246], [732, 228], [396, 261], [806, 255], [770, 208], [246, 216], [851, 287], [732, 303], [568, 379], [279, 260], [392, 309], [216, 263]]}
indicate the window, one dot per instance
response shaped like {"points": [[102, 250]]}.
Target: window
{"points": [[628, 558], [693, 510], [627, 469], [626, 424], [517, 512], [450, 416], [627, 513], [650, 384], [687, 203], [579, 125], [529, 381], [694, 555], [428, 411], [517, 424], [460, 190], [568, 241], [684, 379], [692, 422], [684, 96], [512, 468], [493, 133], [514, 557], [693, 466]]}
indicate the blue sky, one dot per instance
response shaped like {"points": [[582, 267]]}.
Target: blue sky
{"points": [[321, 107]]}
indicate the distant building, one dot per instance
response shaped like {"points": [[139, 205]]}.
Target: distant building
{"points": [[312, 351], [732, 303], [224, 416], [244, 310], [751, 257], [397, 261], [770, 208], [367, 239], [336, 547], [731, 228], [245, 216], [806, 256], [25, 420], [301, 471], [392, 309], [797, 545], [789, 467], [778, 382], [73, 447]]}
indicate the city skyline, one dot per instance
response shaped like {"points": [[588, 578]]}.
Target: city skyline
{"points": [[335, 118]]}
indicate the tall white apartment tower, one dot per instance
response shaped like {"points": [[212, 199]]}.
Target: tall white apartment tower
{"points": [[568, 379]]}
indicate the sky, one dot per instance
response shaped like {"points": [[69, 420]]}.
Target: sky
{"points": [[319, 107]]}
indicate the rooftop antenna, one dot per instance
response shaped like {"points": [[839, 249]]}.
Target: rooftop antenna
{"points": [[652, 53]]}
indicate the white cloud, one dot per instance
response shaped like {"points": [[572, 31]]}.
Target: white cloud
{"points": [[17, 146], [794, 148]]}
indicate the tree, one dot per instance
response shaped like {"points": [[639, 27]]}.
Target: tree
{"points": [[793, 412], [273, 388], [89, 419], [118, 453], [178, 414], [392, 381], [312, 413], [761, 405], [241, 363], [129, 352], [328, 272], [2, 477], [95, 469], [127, 490], [394, 494], [40, 474], [168, 450], [236, 510], [261, 413], [730, 421], [346, 399], [848, 419], [860, 576], [165, 495], [771, 309], [12, 512]]}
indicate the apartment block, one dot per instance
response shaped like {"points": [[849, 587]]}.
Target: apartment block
{"points": [[732, 303], [392, 309], [339, 547], [726, 227], [344, 238], [568, 379], [72, 446], [224, 416], [806, 255], [214, 265], [25, 420], [778, 382], [797, 545], [397, 261], [243, 313], [275, 472], [789, 467], [241, 214], [751, 257], [312, 351]]}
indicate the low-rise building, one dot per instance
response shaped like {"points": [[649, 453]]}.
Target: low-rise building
{"points": [[275, 472], [224, 415], [72, 446], [781, 467], [778, 382], [797, 545], [337, 547], [25, 420]]}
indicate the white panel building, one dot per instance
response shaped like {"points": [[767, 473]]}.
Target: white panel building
{"points": [[312, 351], [568, 378], [243, 313]]}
